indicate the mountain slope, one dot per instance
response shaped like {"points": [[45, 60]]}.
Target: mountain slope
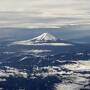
{"points": [[44, 39]]}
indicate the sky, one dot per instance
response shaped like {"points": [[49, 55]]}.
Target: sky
{"points": [[44, 13]]}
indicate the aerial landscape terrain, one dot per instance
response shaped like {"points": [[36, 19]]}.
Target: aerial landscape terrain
{"points": [[43, 62], [44, 44]]}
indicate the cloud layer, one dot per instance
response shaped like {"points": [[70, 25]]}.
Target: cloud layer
{"points": [[44, 13]]}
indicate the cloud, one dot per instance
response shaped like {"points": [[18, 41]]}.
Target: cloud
{"points": [[39, 13]]}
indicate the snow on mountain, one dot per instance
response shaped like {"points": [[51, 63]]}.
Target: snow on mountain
{"points": [[44, 39]]}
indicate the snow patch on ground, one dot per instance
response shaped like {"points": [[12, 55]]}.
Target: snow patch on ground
{"points": [[68, 87], [36, 51], [9, 71], [79, 65]]}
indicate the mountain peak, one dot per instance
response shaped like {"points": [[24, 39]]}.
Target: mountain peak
{"points": [[45, 37]]}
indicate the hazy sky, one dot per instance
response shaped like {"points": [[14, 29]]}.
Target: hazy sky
{"points": [[44, 13]]}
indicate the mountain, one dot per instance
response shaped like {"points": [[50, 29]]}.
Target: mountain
{"points": [[44, 39]]}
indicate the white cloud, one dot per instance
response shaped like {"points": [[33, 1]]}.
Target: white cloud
{"points": [[29, 12]]}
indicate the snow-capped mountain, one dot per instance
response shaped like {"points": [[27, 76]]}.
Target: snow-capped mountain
{"points": [[44, 39]]}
